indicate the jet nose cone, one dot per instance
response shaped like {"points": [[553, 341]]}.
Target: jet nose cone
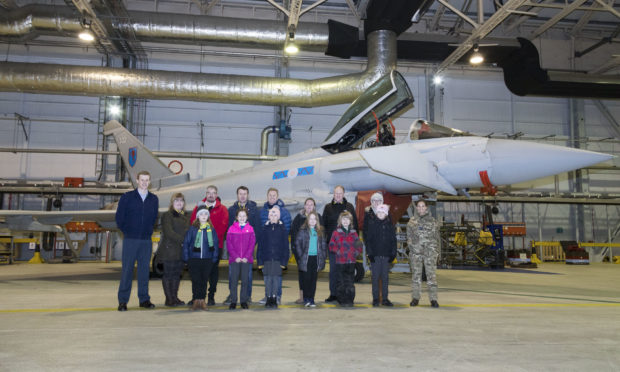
{"points": [[518, 161]]}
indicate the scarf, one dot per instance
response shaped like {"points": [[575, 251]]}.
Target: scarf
{"points": [[198, 241]]}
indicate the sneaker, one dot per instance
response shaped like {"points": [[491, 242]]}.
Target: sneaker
{"points": [[227, 300], [434, 304], [312, 304], [263, 301], [307, 304]]}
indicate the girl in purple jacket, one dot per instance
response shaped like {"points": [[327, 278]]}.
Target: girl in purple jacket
{"points": [[240, 242]]}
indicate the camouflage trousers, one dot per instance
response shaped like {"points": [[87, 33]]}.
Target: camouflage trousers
{"points": [[417, 263]]}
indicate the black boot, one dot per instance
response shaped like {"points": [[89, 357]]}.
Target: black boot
{"points": [[274, 302], [211, 299], [174, 288], [268, 303], [434, 303], [165, 283]]}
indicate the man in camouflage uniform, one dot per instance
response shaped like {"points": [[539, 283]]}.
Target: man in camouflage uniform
{"points": [[423, 242]]}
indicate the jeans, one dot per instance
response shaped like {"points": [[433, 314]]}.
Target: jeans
{"points": [[135, 250], [380, 270]]}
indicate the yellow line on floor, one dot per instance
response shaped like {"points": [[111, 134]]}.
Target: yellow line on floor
{"points": [[183, 308]]}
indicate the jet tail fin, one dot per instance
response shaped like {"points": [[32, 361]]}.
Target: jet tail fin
{"points": [[137, 158]]}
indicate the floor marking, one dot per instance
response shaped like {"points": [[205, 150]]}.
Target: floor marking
{"points": [[326, 306]]}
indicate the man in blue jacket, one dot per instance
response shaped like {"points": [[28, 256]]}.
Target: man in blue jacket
{"points": [[136, 215]]}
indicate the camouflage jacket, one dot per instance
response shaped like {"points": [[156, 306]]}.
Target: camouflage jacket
{"points": [[423, 235]]}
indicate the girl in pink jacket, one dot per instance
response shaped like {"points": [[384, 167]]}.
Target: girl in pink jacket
{"points": [[240, 242]]}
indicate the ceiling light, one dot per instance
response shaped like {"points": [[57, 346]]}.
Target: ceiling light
{"points": [[86, 36], [437, 80], [114, 110], [476, 58], [291, 48]]}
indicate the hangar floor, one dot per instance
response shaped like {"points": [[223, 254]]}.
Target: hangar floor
{"points": [[556, 317]]}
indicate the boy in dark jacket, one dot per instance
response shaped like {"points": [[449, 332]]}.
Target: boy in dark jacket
{"points": [[380, 238], [346, 245], [272, 254]]}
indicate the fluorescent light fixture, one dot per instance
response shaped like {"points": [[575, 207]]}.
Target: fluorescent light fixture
{"points": [[437, 80], [291, 49], [86, 36], [476, 58]]}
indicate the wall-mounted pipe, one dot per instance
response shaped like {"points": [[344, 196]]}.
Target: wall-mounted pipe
{"points": [[264, 138], [163, 154], [152, 84]]}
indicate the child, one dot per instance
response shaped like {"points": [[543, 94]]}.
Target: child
{"points": [[346, 246], [311, 250], [200, 252], [240, 241], [380, 241], [273, 254]]}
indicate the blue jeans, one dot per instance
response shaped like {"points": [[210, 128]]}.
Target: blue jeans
{"points": [[135, 250]]}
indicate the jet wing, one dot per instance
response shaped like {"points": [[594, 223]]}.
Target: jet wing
{"points": [[405, 162]]}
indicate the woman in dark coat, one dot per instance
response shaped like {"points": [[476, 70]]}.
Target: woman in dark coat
{"points": [[174, 225]]}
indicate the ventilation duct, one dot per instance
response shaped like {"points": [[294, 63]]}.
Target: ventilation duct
{"points": [[152, 84], [524, 77]]}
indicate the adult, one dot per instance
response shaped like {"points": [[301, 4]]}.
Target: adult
{"points": [[380, 239], [219, 219], [244, 202], [136, 215], [370, 213], [331, 213], [298, 221], [174, 225], [423, 242], [273, 199]]}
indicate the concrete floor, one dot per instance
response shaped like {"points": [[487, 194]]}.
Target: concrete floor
{"points": [[554, 318]]}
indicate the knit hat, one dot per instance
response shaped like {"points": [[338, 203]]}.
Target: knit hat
{"points": [[383, 208], [202, 208], [376, 196]]}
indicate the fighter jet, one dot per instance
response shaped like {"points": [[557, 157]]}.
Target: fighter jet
{"points": [[360, 154]]}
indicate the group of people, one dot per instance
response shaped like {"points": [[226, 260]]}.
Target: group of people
{"points": [[197, 240]]}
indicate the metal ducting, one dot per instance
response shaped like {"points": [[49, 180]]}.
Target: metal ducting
{"points": [[524, 77], [153, 84], [30, 21]]}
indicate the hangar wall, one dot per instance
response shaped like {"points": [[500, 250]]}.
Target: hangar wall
{"points": [[472, 100]]}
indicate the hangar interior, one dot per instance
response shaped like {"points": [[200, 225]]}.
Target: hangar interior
{"points": [[52, 116], [206, 85]]}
